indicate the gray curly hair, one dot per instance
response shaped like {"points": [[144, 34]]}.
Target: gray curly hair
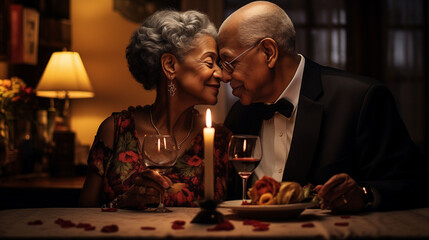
{"points": [[166, 31]]}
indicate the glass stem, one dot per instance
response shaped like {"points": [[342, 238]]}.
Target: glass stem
{"points": [[161, 200], [244, 188]]}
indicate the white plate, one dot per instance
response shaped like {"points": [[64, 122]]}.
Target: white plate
{"points": [[281, 211]]}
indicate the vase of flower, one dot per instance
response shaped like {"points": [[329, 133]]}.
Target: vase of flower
{"points": [[17, 104], [9, 164]]}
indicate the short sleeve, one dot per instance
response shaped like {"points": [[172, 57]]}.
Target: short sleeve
{"points": [[99, 155]]}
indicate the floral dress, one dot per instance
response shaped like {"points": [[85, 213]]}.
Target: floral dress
{"points": [[119, 166]]}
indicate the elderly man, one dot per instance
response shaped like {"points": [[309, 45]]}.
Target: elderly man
{"points": [[319, 125]]}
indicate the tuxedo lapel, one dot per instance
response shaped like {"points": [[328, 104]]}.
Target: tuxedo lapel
{"points": [[304, 141], [307, 126]]}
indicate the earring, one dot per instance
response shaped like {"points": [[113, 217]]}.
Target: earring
{"points": [[171, 87]]}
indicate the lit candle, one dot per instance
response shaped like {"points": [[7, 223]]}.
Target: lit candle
{"points": [[208, 158]]}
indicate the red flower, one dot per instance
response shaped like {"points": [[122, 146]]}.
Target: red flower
{"points": [[195, 181], [195, 161], [125, 123], [219, 188], [181, 197], [197, 144], [98, 154], [264, 185], [128, 156]]}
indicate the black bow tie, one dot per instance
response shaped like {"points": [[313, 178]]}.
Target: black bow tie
{"points": [[282, 106]]}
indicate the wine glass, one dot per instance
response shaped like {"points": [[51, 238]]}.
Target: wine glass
{"points": [[159, 154], [244, 153]]}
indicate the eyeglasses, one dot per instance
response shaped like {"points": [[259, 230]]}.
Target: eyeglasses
{"points": [[227, 66]]}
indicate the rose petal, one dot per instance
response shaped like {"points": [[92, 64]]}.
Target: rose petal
{"points": [[250, 222], [261, 228], [89, 228], [109, 209], [64, 223], [83, 225], [177, 227], [59, 221], [86, 226], [223, 226], [35, 222], [255, 223], [307, 225], [147, 228], [179, 222], [262, 225], [345, 216], [110, 228], [342, 224]]}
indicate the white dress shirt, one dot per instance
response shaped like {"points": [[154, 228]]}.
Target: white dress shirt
{"points": [[277, 132]]}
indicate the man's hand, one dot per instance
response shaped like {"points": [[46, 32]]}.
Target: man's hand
{"points": [[341, 194]]}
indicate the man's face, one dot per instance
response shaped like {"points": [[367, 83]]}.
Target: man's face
{"points": [[249, 75]]}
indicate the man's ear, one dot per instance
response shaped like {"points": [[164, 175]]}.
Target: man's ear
{"points": [[168, 64], [271, 51]]}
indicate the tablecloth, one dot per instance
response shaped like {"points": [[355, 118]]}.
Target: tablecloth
{"points": [[312, 223]]}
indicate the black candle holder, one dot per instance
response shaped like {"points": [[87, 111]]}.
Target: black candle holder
{"points": [[208, 213]]}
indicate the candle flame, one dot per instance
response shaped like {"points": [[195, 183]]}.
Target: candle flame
{"points": [[208, 118], [159, 145], [244, 145]]}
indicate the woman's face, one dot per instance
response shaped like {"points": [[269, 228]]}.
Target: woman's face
{"points": [[198, 76]]}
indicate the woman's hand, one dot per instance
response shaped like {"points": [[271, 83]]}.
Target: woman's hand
{"points": [[147, 188], [341, 194]]}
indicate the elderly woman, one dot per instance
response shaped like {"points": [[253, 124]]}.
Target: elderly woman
{"points": [[176, 54]]}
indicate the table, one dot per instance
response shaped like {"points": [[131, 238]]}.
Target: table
{"points": [[405, 224], [31, 191], [43, 181]]}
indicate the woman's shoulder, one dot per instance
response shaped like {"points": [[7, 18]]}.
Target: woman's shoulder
{"points": [[122, 119], [129, 112]]}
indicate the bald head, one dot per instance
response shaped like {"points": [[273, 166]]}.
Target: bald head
{"points": [[258, 20], [251, 10]]}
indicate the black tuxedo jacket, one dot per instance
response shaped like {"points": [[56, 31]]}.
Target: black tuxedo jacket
{"points": [[346, 124]]}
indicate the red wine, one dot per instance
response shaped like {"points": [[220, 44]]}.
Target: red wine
{"points": [[245, 166]]}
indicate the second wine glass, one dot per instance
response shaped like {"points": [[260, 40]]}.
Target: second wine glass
{"points": [[159, 154], [244, 154]]}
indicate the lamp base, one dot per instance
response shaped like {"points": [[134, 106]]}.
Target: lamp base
{"points": [[208, 213], [62, 160]]}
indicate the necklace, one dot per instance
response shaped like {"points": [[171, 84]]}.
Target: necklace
{"points": [[157, 131]]}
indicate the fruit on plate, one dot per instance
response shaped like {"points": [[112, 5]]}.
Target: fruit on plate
{"points": [[268, 191]]}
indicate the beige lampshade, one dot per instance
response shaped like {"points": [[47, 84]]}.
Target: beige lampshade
{"points": [[64, 76]]}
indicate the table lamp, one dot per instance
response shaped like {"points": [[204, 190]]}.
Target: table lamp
{"points": [[65, 77]]}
